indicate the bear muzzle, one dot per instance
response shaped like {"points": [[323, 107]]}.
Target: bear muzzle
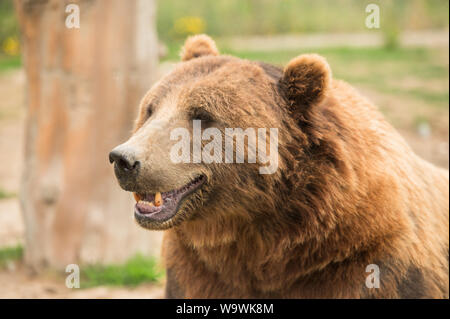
{"points": [[126, 166]]}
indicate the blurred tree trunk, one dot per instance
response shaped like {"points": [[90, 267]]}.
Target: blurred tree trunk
{"points": [[83, 88]]}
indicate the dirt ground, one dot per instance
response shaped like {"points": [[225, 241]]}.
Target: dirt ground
{"points": [[17, 282]]}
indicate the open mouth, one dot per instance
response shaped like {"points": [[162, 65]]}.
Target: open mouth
{"points": [[152, 210]]}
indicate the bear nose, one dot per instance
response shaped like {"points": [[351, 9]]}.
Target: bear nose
{"points": [[123, 161]]}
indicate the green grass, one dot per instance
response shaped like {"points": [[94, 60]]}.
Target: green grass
{"points": [[5, 194], [9, 62], [435, 99], [267, 17], [10, 254], [137, 270], [8, 21]]}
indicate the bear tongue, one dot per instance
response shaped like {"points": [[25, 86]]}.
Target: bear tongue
{"points": [[146, 208]]}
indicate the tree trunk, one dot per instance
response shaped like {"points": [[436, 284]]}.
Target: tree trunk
{"points": [[84, 86]]}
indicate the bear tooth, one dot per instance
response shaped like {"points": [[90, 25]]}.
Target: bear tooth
{"points": [[158, 199], [137, 198]]}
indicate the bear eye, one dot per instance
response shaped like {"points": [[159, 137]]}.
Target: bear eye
{"points": [[149, 111], [200, 114]]}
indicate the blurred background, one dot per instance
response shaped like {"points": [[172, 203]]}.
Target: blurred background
{"points": [[68, 95]]}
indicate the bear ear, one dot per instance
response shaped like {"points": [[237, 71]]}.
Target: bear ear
{"points": [[197, 46], [306, 80]]}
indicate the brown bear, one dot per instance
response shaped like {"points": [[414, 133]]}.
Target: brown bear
{"points": [[349, 212]]}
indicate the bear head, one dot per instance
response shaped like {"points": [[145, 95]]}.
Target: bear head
{"points": [[177, 161]]}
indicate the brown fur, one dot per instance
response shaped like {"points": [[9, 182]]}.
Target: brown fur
{"points": [[197, 46], [348, 192]]}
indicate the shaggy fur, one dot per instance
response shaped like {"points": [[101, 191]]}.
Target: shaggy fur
{"points": [[348, 192]]}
